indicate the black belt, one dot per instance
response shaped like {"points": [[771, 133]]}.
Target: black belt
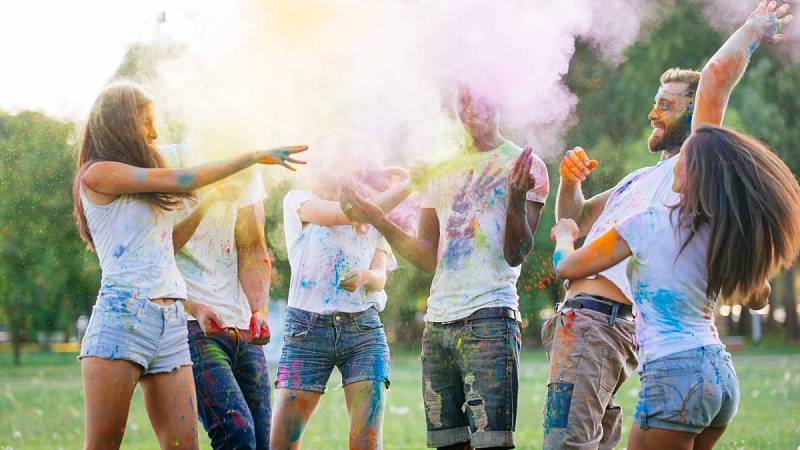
{"points": [[494, 312], [605, 306]]}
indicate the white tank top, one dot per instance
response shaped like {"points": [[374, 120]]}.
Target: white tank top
{"points": [[133, 241]]}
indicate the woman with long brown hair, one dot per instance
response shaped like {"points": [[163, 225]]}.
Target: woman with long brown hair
{"points": [[736, 223], [123, 197]]}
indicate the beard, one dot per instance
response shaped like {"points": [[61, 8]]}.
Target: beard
{"points": [[673, 136]]}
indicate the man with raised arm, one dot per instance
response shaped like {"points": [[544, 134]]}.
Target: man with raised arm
{"points": [[476, 228], [590, 341]]}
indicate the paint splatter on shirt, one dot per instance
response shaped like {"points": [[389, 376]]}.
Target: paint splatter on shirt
{"points": [[641, 189], [133, 241], [470, 197], [321, 256], [669, 286]]}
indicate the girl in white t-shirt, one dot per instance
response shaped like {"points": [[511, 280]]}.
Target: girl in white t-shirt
{"points": [[123, 198], [336, 291], [736, 223]]}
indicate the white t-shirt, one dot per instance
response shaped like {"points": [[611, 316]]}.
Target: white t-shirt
{"points": [[321, 256], [641, 189], [133, 241], [209, 261], [669, 286], [470, 196]]}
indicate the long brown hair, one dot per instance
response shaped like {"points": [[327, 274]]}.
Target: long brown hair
{"points": [[113, 133], [751, 202]]}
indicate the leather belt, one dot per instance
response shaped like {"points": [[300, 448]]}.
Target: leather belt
{"points": [[494, 312], [603, 305]]}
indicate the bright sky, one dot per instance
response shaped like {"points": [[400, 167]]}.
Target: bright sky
{"points": [[58, 54]]}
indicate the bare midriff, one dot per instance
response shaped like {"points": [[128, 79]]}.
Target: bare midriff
{"points": [[163, 301], [597, 286]]}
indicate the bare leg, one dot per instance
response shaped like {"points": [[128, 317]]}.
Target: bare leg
{"points": [[658, 439], [172, 408], [708, 438], [365, 402], [107, 390], [292, 410]]}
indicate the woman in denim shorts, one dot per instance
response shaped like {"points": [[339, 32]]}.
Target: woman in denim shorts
{"points": [[123, 196], [737, 222], [338, 274]]}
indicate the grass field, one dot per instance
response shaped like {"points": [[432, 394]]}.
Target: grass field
{"points": [[41, 405]]}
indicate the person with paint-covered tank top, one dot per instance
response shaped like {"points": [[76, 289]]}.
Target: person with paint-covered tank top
{"points": [[124, 201], [594, 323], [735, 224], [336, 292]]}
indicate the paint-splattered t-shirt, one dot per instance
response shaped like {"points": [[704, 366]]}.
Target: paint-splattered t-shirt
{"points": [[209, 260], [669, 285], [133, 241], [320, 256], [470, 196], [641, 189]]}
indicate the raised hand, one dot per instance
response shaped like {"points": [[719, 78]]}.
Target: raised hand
{"points": [[520, 180], [767, 19], [576, 166], [281, 155], [357, 209], [563, 228]]}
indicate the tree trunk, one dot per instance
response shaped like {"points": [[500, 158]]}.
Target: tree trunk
{"points": [[16, 344], [790, 305]]}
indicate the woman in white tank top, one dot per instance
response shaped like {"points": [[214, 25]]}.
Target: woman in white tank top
{"points": [[123, 201]]}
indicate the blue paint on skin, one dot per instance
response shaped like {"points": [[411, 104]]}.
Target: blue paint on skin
{"points": [[140, 175], [558, 255], [185, 180]]}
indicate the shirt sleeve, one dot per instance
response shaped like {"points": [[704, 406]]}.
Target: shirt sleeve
{"points": [[391, 261], [252, 189], [638, 231], [541, 180], [292, 225]]}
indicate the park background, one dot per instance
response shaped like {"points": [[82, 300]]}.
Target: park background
{"points": [[48, 280]]}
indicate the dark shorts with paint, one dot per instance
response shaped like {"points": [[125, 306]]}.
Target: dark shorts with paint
{"points": [[591, 355], [138, 330], [470, 382], [313, 344], [688, 391]]}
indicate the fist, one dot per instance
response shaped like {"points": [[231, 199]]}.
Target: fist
{"points": [[576, 165], [565, 227]]}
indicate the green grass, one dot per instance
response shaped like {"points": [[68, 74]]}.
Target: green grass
{"points": [[41, 405]]}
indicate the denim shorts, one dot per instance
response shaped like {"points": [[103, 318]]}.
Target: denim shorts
{"points": [[470, 382], [313, 344], [688, 391], [138, 330]]}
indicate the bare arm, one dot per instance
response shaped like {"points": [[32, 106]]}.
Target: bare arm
{"points": [[522, 217], [183, 231], [604, 252], [726, 67], [570, 202], [255, 268], [116, 178], [329, 213]]}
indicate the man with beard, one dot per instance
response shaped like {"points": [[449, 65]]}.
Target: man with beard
{"points": [[590, 341]]}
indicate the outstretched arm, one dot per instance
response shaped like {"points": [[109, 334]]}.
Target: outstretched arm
{"points": [[116, 178], [726, 67], [329, 213], [604, 252], [419, 251]]}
